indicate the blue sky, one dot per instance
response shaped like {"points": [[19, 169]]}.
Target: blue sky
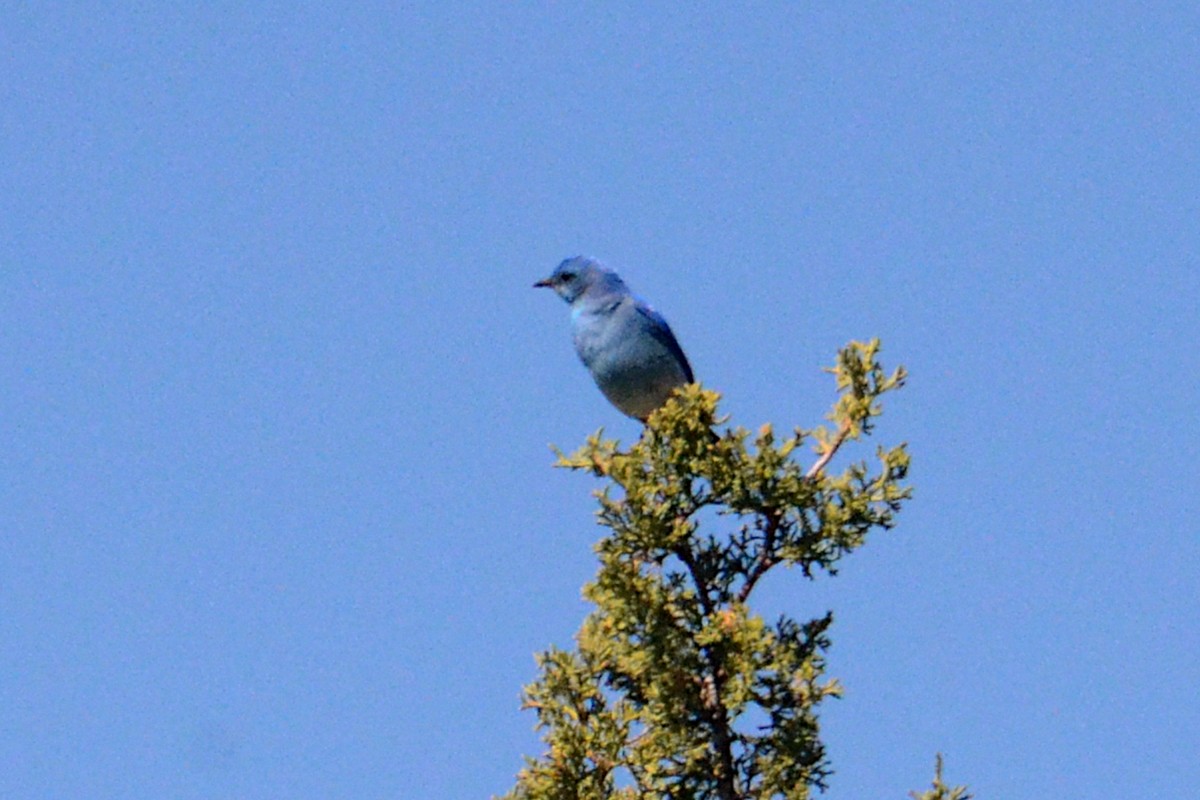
{"points": [[275, 488]]}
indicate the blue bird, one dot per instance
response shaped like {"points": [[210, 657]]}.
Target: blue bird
{"points": [[626, 345]]}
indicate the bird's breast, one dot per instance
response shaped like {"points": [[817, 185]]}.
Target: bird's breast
{"points": [[597, 334]]}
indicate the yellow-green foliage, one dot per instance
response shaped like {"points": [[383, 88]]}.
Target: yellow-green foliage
{"points": [[677, 689], [940, 789]]}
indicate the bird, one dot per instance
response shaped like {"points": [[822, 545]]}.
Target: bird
{"points": [[625, 344]]}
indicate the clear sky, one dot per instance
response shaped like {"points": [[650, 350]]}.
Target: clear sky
{"points": [[277, 515]]}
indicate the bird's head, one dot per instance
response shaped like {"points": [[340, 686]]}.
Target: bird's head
{"points": [[581, 276]]}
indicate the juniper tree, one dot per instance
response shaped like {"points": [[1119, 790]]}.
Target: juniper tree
{"points": [[676, 687]]}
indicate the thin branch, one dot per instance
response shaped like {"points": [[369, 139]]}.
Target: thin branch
{"points": [[685, 555], [766, 560], [831, 449]]}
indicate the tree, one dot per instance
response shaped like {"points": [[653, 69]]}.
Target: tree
{"points": [[676, 688]]}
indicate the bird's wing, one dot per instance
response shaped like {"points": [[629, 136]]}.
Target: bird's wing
{"points": [[661, 331]]}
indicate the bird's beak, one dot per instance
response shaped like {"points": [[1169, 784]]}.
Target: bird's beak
{"points": [[543, 282]]}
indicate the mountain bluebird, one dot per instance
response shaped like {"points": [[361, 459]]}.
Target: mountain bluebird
{"points": [[626, 345]]}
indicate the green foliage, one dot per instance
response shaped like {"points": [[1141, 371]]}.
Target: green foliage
{"points": [[677, 689], [940, 790]]}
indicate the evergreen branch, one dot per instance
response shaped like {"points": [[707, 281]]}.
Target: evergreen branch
{"points": [[663, 676]]}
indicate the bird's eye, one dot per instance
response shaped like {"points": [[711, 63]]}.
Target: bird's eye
{"points": [[566, 277]]}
